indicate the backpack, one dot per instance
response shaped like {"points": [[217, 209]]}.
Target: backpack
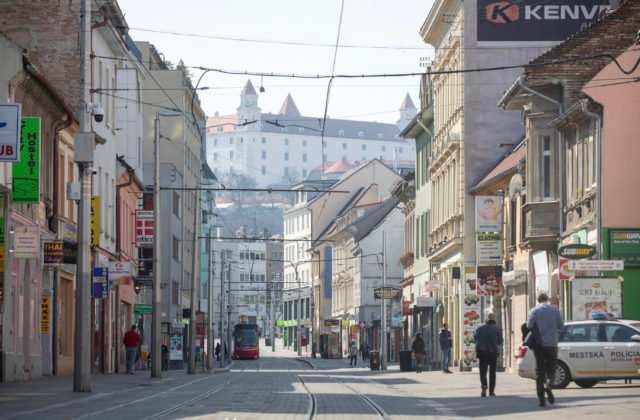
{"points": [[353, 351]]}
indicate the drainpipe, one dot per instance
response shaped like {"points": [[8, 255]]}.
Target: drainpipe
{"points": [[598, 120]]}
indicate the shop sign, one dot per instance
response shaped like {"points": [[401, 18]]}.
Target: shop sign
{"points": [[26, 242], [331, 322], [624, 244], [44, 314], [175, 347], [489, 249], [144, 228], [95, 220], [488, 213], [470, 317], [599, 294], [26, 172], [596, 265], [100, 283], [576, 251], [120, 272], [489, 281], [9, 132], [54, 254], [387, 292], [142, 308]]}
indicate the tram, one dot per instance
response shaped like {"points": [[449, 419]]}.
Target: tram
{"points": [[246, 343]]}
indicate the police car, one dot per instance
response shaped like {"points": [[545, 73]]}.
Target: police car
{"points": [[590, 351]]}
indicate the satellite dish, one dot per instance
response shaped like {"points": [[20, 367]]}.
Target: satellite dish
{"points": [[515, 185]]}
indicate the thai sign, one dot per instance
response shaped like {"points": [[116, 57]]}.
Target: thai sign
{"points": [[54, 254], [624, 244], [26, 172], [95, 220], [44, 313], [9, 131], [534, 20], [387, 292], [600, 294], [488, 213]]}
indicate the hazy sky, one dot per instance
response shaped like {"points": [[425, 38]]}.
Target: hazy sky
{"points": [[263, 34]]}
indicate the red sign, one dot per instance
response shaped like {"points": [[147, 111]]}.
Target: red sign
{"points": [[362, 324], [144, 228]]}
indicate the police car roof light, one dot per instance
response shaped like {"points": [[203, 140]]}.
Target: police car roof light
{"points": [[599, 315]]}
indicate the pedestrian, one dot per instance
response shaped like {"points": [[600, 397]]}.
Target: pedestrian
{"points": [[226, 354], [444, 336], [165, 357], [488, 338], [131, 340], [546, 324], [419, 351], [364, 351], [217, 351], [353, 354]]}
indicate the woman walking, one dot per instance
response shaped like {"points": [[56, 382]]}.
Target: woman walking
{"points": [[419, 352]]}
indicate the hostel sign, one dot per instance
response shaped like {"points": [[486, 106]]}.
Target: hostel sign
{"points": [[26, 172]]}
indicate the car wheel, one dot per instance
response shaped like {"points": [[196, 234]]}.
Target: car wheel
{"points": [[586, 383], [563, 376]]}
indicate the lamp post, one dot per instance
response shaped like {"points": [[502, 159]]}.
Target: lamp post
{"points": [[156, 349]]}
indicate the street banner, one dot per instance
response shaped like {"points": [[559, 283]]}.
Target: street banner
{"points": [[54, 254], [596, 294], [489, 280], [100, 287], [26, 172], [120, 273], [44, 314], [95, 220], [26, 242], [10, 126], [488, 213], [144, 228], [470, 317]]}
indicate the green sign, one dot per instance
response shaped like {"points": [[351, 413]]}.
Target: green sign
{"points": [[141, 308], [280, 323], [2, 203], [625, 245], [26, 172]]}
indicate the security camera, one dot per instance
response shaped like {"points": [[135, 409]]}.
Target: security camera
{"points": [[98, 112], [93, 170]]}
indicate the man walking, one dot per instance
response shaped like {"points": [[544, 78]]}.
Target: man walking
{"points": [[445, 345], [488, 338], [131, 340], [545, 322]]}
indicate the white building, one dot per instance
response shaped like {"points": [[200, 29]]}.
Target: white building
{"points": [[283, 148]]}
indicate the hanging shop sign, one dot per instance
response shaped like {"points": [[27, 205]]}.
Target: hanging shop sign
{"points": [[387, 292], [576, 251], [489, 249], [120, 272], [489, 280], [488, 213], [100, 287], [54, 254], [624, 244], [144, 228], [44, 313], [600, 294], [26, 172], [10, 132], [95, 220], [26, 242]]}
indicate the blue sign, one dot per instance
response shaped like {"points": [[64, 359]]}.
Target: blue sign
{"points": [[100, 287]]}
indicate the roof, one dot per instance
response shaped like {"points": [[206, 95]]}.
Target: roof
{"points": [[248, 89], [506, 165], [289, 107], [407, 103]]}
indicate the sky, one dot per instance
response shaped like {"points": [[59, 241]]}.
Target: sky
{"points": [[292, 37]]}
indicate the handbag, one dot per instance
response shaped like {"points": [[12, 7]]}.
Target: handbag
{"points": [[529, 340]]}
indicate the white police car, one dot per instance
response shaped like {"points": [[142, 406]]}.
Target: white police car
{"points": [[590, 351]]}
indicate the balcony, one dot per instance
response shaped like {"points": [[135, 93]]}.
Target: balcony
{"points": [[541, 223]]}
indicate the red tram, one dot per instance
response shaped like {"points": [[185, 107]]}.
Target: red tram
{"points": [[246, 343]]}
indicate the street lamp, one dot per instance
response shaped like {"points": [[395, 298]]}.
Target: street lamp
{"points": [[156, 349]]}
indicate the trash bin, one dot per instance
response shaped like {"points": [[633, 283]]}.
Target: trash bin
{"points": [[405, 361], [267, 341], [374, 360]]}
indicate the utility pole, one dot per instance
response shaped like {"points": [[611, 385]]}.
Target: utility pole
{"points": [[84, 143], [221, 303], [229, 310], [156, 349], [210, 333], [383, 351], [191, 368]]}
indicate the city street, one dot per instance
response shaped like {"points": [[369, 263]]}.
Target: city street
{"points": [[282, 386]]}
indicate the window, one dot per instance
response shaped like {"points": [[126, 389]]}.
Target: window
{"points": [[286, 171], [580, 333], [264, 140], [304, 157], [175, 249], [286, 155], [286, 142], [304, 173], [364, 147], [380, 136], [341, 132], [400, 150], [301, 129], [230, 140], [175, 292], [264, 155], [546, 167], [344, 146], [617, 333], [304, 143], [241, 140], [215, 156], [176, 204], [215, 141], [384, 148], [231, 154], [264, 170], [360, 133]]}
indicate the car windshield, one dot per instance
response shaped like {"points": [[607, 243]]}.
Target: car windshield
{"points": [[635, 324]]}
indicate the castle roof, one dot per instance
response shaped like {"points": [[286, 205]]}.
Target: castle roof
{"points": [[289, 107]]}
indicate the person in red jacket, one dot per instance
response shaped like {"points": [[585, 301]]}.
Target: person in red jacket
{"points": [[131, 340]]}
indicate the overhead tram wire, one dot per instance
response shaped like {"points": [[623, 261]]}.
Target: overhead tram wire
{"points": [[269, 190]]}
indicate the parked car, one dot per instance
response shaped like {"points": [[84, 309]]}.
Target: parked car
{"points": [[590, 351]]}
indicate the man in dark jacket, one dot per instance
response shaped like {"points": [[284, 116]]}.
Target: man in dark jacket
{"points": [[488, 338], [444, 337]]}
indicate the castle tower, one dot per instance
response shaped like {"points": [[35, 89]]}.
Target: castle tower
{"points": [[407, 112], [248, 109]]}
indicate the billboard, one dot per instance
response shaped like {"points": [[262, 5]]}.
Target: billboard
{"points": [[590, 295], [10, 132], [534, 20], [488, 213]]}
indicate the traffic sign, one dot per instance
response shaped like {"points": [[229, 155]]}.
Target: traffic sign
{"points": [[141, 308], [596, 265]]}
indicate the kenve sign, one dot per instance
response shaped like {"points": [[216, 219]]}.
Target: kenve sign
{"points": [[534, 20]]}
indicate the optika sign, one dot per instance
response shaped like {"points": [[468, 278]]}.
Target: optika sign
{"points": [[532, 20]]}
